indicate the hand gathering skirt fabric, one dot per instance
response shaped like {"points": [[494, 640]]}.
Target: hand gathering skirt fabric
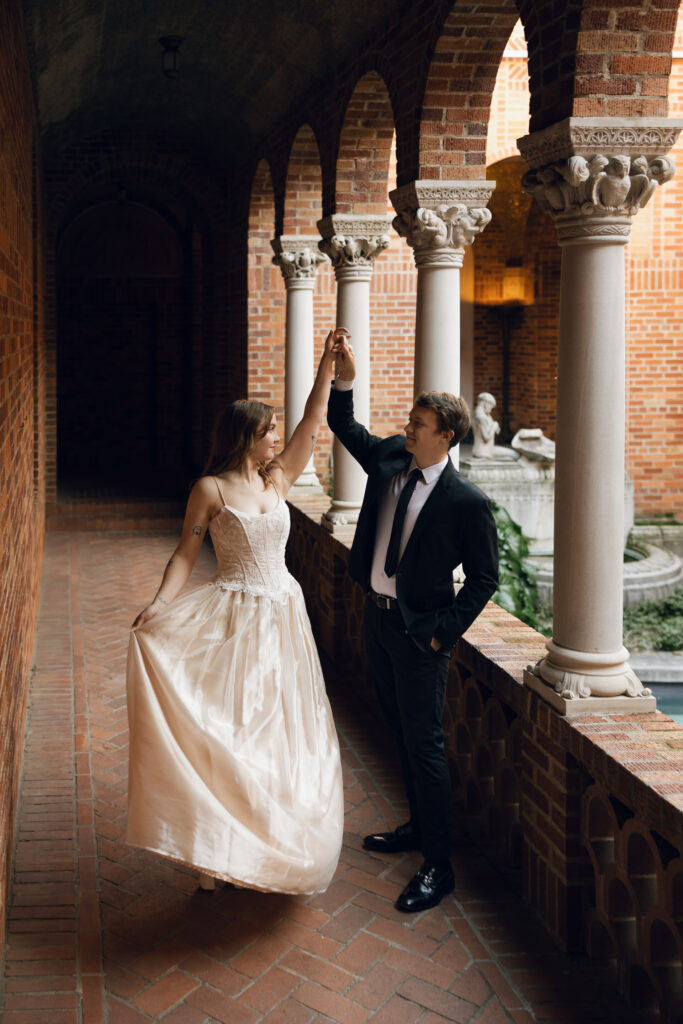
{"points": [[234, 759]]}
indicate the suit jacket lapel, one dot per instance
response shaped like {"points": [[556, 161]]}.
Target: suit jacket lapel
{"points": [[386, 469]]}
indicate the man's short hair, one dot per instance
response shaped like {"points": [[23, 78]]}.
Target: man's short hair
{"points": [[452, 413]]}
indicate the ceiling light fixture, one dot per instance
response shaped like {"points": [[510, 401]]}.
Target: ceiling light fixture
{"points": [[169, 58]]}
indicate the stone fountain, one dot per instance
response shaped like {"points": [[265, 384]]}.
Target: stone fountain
{"points": [[521, 478]]}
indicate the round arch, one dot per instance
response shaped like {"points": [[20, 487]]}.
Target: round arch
{"points": [[304, 185], [365, 148], [105, 170], [457, 97]]}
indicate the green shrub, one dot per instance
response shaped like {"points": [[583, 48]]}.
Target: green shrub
{"points": [[517, 591], [655, 625]]}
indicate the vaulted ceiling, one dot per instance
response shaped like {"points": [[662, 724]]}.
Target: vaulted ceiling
{"points": [[242, 65]]}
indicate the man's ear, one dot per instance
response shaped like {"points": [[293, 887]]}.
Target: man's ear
{"points": [[448, 434]]}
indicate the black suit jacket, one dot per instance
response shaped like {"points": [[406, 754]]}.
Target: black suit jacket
{"points": [[454, 526]]}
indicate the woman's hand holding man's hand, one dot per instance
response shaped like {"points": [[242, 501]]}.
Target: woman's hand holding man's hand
{"points": [[345, 360]]}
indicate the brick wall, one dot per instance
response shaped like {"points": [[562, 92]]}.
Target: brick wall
{"points": [[266, 299], [22, 443], [623, 59], [654, 315]]}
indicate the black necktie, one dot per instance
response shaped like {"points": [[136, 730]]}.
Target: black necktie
{"points": [[391, 561]]}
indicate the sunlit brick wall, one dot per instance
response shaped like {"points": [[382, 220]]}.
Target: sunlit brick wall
{"points": [[654, 330]]}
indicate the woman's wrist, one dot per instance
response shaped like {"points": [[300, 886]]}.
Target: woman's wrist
{"points": [[160, 600]]}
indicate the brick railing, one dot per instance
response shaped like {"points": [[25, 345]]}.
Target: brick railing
{"points": [[589, 806]]}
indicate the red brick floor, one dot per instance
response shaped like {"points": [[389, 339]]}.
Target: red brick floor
{"points": [[98, 932]]}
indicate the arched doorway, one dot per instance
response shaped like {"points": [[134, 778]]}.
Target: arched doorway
{"points": [[124, 353]]}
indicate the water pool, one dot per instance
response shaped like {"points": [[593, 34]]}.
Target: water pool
{"points": [[669, 699]]}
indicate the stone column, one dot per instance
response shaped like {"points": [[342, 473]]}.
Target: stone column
{"points": [[592, 176], [353, 244], [439, 220], [298, 257]]}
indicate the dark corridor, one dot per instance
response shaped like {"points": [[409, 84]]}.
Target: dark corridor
{"points": [[124, 343]]}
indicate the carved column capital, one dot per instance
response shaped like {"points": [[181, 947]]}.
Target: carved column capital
{"points": [[353, 243], [440, 219], [298, 257], [592, 175]]}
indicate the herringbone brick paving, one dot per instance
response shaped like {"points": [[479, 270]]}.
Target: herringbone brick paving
{"points": [[98, 932]]}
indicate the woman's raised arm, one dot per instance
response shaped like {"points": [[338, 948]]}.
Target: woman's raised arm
{"points": [[293, 459]]}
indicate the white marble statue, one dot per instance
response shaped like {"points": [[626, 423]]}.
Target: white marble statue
{"points": [[484, 427], [533, 444]]}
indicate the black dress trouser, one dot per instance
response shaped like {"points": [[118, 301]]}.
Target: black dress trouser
{"points": [[411, 686]]}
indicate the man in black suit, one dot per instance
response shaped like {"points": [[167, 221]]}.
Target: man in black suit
{"points": [[419, 520]]}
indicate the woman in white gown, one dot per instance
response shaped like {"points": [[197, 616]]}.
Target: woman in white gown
{"points": [[234, 760]]}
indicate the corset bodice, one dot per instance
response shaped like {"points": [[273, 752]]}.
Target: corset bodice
{"points": [[250, 550]]}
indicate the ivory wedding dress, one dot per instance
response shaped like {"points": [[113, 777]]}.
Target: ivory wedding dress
{"points": [[234, 759]]}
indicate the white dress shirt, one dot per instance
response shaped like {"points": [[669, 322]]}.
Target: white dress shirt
{"points": [[379, 581]]}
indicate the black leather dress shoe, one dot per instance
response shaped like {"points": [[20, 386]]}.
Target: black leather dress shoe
{"points": [[427, 888], [402, 838]]}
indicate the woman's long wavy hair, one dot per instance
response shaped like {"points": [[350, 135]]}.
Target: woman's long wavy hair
{"points": [[235, 432]]}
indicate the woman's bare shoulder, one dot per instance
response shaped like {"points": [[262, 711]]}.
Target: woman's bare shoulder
{"points": [[205, 494]]}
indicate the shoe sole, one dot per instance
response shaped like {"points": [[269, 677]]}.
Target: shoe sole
{"points": [[384, 848]]}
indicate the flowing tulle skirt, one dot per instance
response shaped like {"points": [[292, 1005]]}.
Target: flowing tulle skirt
{"points": [[234, 759]]}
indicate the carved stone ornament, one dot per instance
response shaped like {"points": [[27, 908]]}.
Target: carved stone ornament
{"points": [[435, 193], [596, 196], [439, 219], [441, 235], [353, 251], [297, 256], [353, 242], [589, 136], [576, 675], [592, 174]]}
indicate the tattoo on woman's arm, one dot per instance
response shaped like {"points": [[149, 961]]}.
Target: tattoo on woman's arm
{"points": [[197, 531], [313, 440]]}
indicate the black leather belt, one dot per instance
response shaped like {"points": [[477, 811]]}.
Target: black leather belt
{"points": [[388, 604]]}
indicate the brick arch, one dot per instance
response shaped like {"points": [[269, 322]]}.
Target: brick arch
{"points": [[594, 59], [509, 115], [459, 88], [153, 168], [303, 189], [623, 59], [265, 298], [364, 153]]}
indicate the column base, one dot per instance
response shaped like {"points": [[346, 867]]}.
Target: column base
{"points": [[307, 483], [340, 515], [579, 681]]}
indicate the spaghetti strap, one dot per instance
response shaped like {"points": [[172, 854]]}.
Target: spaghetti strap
{"points": [[220, 494]]}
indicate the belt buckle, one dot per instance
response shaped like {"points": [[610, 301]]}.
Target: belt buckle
{"points": [[384, 602]]}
